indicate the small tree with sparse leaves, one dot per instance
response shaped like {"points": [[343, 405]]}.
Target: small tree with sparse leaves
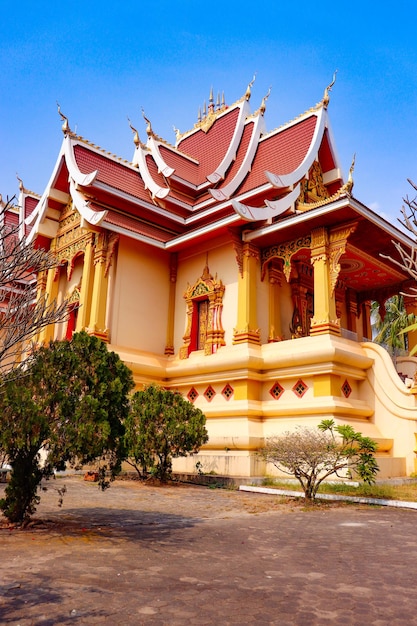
{"points": [[313, 454], [161, 425], [23, 314]]}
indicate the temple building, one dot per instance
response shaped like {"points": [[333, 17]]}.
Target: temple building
{"points": [[237, 267]]}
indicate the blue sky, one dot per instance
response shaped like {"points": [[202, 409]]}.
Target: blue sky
{"points": [[104, 61]]}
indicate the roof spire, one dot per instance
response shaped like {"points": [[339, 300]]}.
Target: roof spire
{"points": [[263, 103], [249, 88], [149, 131], [350, 183], [326, 98], [177, 132], [218, 101], [136, 139], [199, 114], [223, 102], [65, 126], [21, 186], [211, 101]]}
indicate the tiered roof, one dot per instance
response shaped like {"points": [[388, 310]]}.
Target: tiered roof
{"points": [[170, 194], [227, 172]]}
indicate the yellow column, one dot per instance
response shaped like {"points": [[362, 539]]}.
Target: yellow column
{"points": [[97, 324], [366, 321], [51, 293], [275, 281], [169, 346], [247, 330], [83, 315], [324, 319], [326, 385]]}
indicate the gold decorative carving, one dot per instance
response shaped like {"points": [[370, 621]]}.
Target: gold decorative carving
{"points": [[284, 251], [337, 247], [238, 248], [211, 289], [313, 188], [113, 240]]}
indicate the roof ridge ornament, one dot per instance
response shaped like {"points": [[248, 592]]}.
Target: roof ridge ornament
{"points": [[149, 130], [248, 92], [326, 97], [348, 186], [263, 103], [136, 138], [65, 125], [21, 185]]}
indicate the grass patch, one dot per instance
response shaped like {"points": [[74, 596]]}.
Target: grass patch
{"points": [[406, 492]]}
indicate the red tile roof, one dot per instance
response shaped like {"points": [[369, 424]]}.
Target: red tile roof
{"points": [[209, 148], [137, 227], [115, 174], [280, 153]]}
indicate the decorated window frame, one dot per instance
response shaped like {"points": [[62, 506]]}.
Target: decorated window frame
{"points": [[209, 289]]}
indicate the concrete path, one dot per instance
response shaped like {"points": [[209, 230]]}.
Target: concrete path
{"points": [[192, 555]]}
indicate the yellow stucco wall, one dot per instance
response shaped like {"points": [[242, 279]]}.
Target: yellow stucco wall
{"points": [[139, 303]]}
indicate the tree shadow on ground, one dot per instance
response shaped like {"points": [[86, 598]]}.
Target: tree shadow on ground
{"points": [[118, 524], [38, 600]]}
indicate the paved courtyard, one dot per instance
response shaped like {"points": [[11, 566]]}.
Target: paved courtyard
{"points": [[181, 555]]}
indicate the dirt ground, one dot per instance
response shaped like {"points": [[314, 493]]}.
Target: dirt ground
{"points": [[141, 554]]}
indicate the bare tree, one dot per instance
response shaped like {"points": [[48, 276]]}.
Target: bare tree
{"points": [[408, 258], [313, 454], [22, 313]]}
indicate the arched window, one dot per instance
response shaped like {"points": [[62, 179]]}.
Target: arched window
{"points": [[204, 308]]}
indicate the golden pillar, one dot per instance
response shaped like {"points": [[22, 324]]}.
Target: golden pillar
{"points": [[97, 323], [247, 330], [275, 282], [169, 346], [50, 294], [324, 320], [86, 288], [366, 321]]}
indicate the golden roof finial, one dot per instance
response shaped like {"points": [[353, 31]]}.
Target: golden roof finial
{"points": [[350, 183], [326, 98], [211, 101], [136, 139], [218, 101], [204, 109], [223, 102], [249, 88], [263, 103], [65, 125], [21, 186], [149, 131], [177, 132], [199, 114]]}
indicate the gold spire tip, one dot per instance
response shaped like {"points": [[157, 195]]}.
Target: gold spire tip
{"points": [[136, 139], [148, 123], [65, 125], [249, 88], [326, 97]]}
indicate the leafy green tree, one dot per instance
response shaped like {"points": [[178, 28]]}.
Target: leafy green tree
{"points": [[389, 327], [161, 425], [408, 256], [66, 407], [312, 455]]}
